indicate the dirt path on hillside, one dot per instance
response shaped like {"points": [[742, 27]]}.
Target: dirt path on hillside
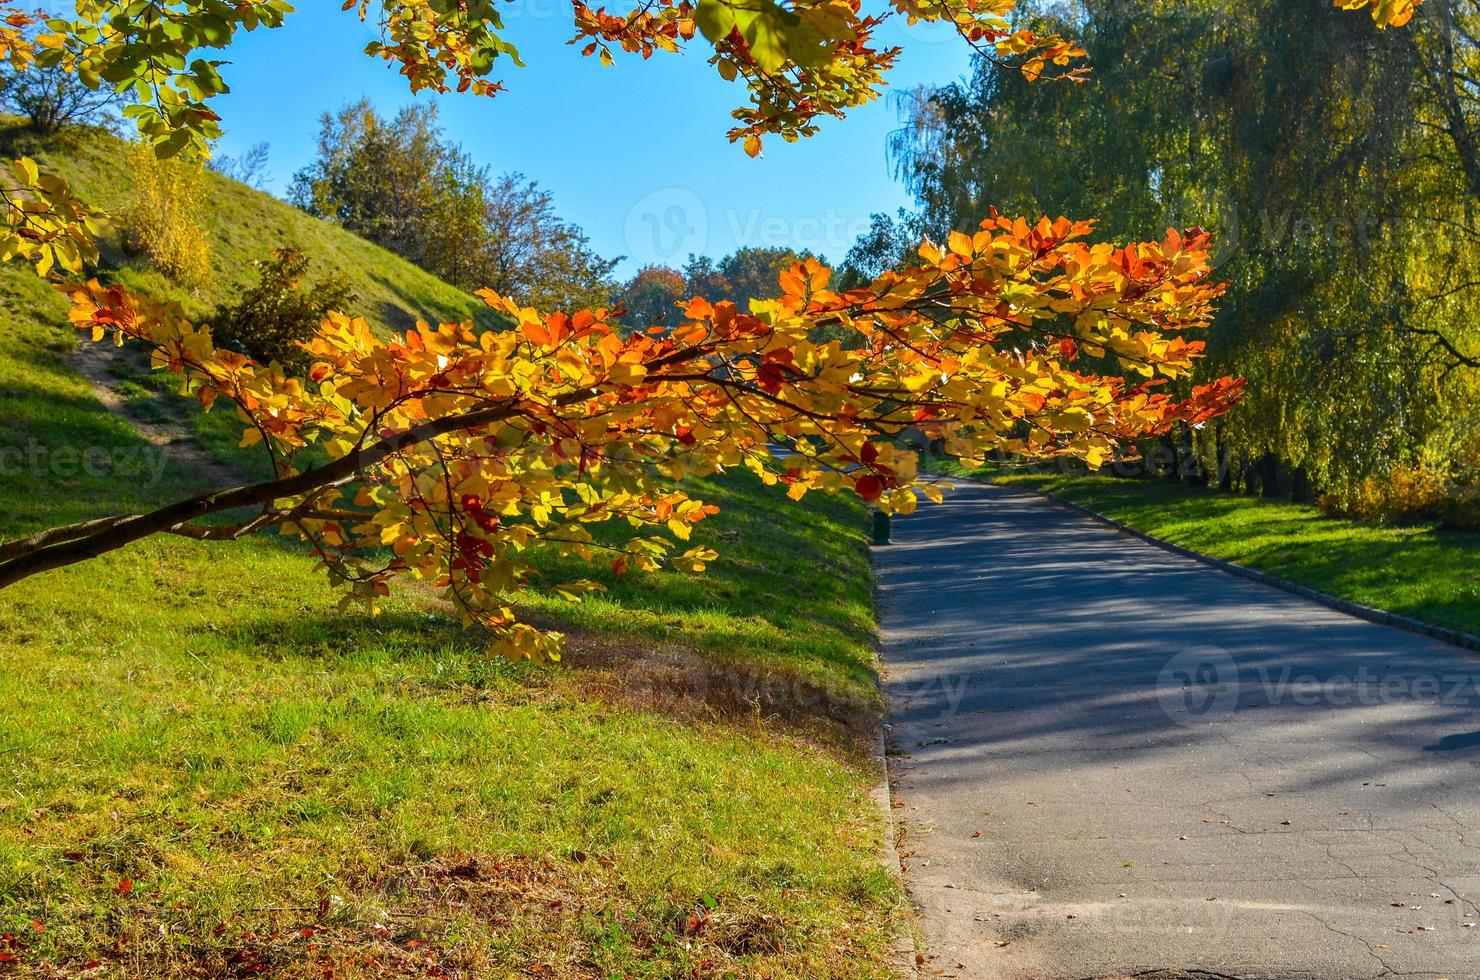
{"points": [[173, 436]]}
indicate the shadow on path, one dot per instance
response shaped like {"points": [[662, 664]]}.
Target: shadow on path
{"points": [[1114, 760]]}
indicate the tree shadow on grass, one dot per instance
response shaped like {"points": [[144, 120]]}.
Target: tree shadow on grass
{"points": [[436, 653]]}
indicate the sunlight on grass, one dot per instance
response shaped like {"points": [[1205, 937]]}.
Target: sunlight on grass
{"points": [[205, 768], [242, 755]]}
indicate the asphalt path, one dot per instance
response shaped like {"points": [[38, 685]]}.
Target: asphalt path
{"points": [[1110, 760]]}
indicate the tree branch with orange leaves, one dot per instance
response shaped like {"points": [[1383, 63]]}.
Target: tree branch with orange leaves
{"points": [[450, 455]]}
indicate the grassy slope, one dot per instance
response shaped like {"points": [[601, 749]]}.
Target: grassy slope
{"points": [[1426, 572], [244, 225], [284, 785]]}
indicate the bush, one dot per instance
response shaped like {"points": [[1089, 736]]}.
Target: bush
{"points": [[1443, 485], [1405, 491], [282, 310], [164, 220]]}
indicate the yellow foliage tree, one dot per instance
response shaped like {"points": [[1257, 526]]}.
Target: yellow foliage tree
{"points": [[164, 219], [459, 452]]}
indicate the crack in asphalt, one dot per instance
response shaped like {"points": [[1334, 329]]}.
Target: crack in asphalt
{"points": [[1371, 949]]}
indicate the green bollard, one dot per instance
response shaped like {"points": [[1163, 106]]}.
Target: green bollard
{"points": [[881, 527]]}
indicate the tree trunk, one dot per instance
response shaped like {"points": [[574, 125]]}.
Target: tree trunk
{"points": [[1269, 476], [1299, 486]]}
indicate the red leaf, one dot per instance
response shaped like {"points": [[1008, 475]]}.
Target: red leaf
{"points": [[123, 887], [869, 487]]}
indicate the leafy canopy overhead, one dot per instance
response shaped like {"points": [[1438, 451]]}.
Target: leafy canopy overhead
{"points": [[452, 456], [460, 453], [799, 60]]}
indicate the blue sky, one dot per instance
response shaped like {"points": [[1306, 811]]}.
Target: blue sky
{"points": [[634, 154]]}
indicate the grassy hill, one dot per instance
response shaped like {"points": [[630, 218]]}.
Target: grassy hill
{"points": [[243, 225], [206, 769]]}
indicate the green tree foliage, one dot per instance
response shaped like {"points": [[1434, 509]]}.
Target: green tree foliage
{"points": [[745, 272], [399, 183], [377, 177], [284, 309], [652, 296], [888, 243], [1327, 158]]}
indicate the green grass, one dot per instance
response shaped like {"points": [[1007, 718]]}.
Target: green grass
{"points": [[1424, 571], [206, 768]]}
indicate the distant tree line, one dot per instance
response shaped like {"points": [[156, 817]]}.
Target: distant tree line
{"points": [[654, 294], [400, 183]]}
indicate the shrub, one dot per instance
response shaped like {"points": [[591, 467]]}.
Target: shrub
{"points": [[1443, 485], [164, 220], [1404, 491], [1458, 445], [280, 311]]}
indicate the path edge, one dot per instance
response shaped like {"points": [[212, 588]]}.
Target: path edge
{"points": [[902, 954], [905, 950], [1469, 641]]}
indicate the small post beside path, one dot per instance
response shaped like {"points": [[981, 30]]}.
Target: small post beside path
{"points": [[881, 527]]}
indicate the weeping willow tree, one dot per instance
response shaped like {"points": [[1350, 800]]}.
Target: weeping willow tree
{"points": [[1335, 163]]}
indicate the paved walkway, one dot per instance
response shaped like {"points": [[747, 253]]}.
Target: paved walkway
{"points": [[1114, 761]]}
